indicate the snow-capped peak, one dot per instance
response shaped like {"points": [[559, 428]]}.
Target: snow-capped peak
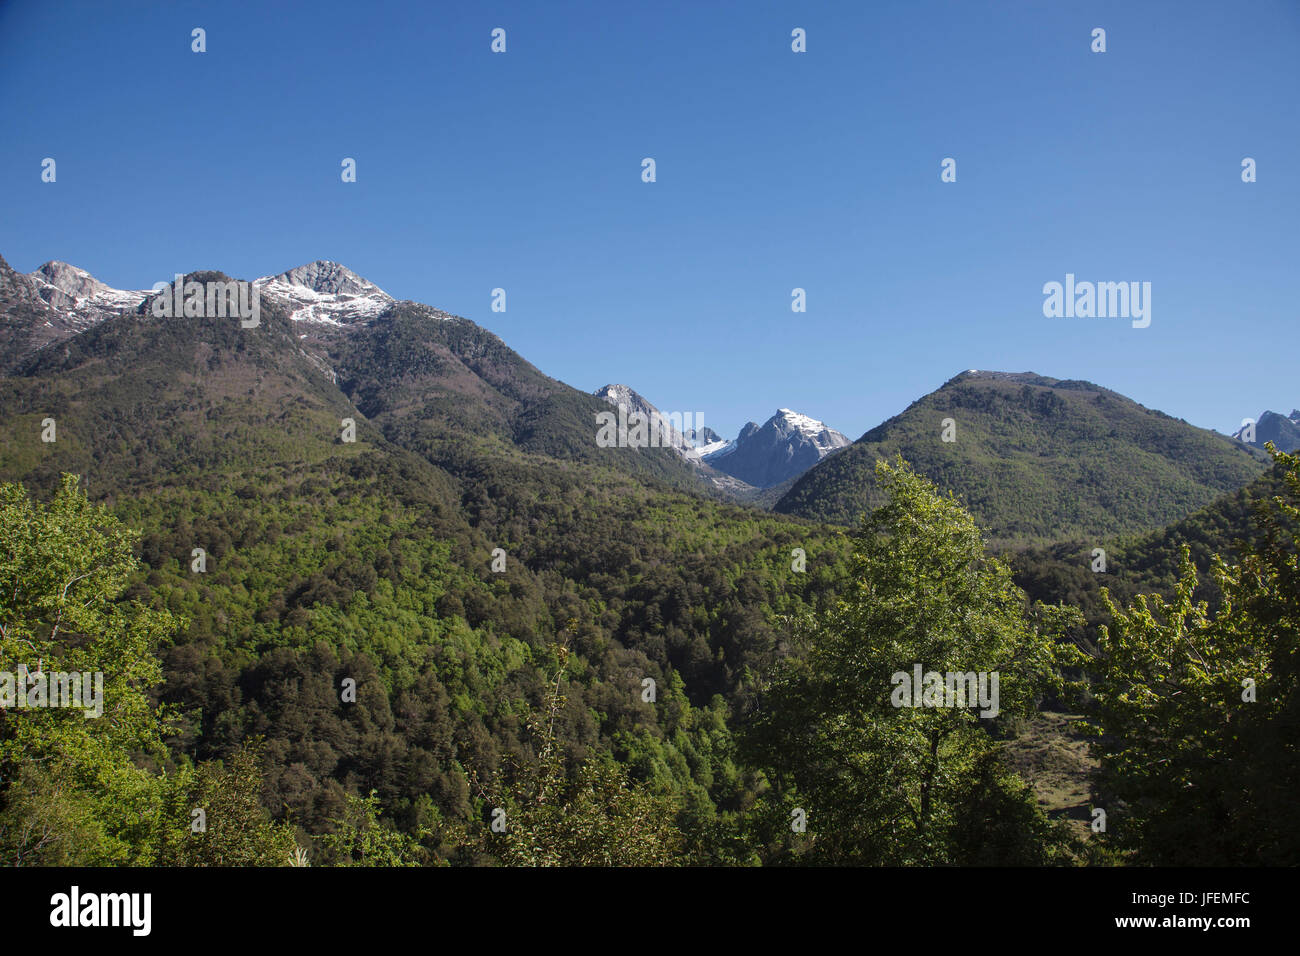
{"points": [[785, 446], [79, 296], [801, 423], [325, 292], [327, 278]]}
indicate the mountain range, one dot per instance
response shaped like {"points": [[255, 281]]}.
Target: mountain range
{"points": [[1035, 458], [782, 448], [760, 457]]}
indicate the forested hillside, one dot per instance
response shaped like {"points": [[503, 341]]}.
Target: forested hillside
{"points": [[1037, 458], [455, 631]]}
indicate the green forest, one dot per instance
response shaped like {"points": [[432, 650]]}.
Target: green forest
{"points": [[653, 679]]}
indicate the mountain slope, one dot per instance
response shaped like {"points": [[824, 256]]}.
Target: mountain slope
{"points": [[663, 432], [441, 385], [134, 397], [1037, 458], [1147, 563]]}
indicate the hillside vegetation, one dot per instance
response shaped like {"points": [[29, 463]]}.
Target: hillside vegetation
{"points": [[1036, 458]]}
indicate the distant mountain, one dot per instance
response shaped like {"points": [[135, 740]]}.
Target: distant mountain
{"points": [[782, 448], [665, 433], [761, 457], [690, 443], [1282, 430], [1037, 458], [52, 304], [28, 320], [702, 438], [80, 296]]}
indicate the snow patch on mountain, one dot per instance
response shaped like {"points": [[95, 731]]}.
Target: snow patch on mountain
{"points": [[79, 297], [326, 293], [714, 447]]}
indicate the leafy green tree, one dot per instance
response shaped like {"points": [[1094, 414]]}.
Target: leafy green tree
{"points": [[358, 838], [594, 817], [91, 790], [63, 569], [880, 783], [236, 830], [1197, 714]]}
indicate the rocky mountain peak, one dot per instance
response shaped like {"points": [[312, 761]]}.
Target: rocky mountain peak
{"points": [[326, 293], [783, 447], [667, 434], [327, 278], [68, 279], [1282, 431]]}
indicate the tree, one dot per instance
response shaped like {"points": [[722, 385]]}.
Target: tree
{"points": [[236, 829], [87, 786], [1197, 714], [596, 817], [63, 568], [358, 838], [880, 783]]}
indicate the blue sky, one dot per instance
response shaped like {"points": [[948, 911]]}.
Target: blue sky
{"points": [[775, 170]]}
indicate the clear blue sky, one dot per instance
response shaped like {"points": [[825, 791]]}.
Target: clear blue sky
{"points": [[775, 170]]}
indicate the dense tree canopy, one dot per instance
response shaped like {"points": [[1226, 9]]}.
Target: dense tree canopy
{"points": [[882, 783]]}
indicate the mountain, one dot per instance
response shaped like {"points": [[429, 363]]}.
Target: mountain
{"points": [[663, 432], [81, 297], [52, 304], [786, 446], [1282, 430], [1037, 458], [433, 382], [138, 399], [782, 448], [326, 292], [690, 442], [374, 559], [441, 384]]}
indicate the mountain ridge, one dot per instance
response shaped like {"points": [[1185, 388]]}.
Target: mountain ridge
{"points": [[1036, 457], [427, 377]]}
